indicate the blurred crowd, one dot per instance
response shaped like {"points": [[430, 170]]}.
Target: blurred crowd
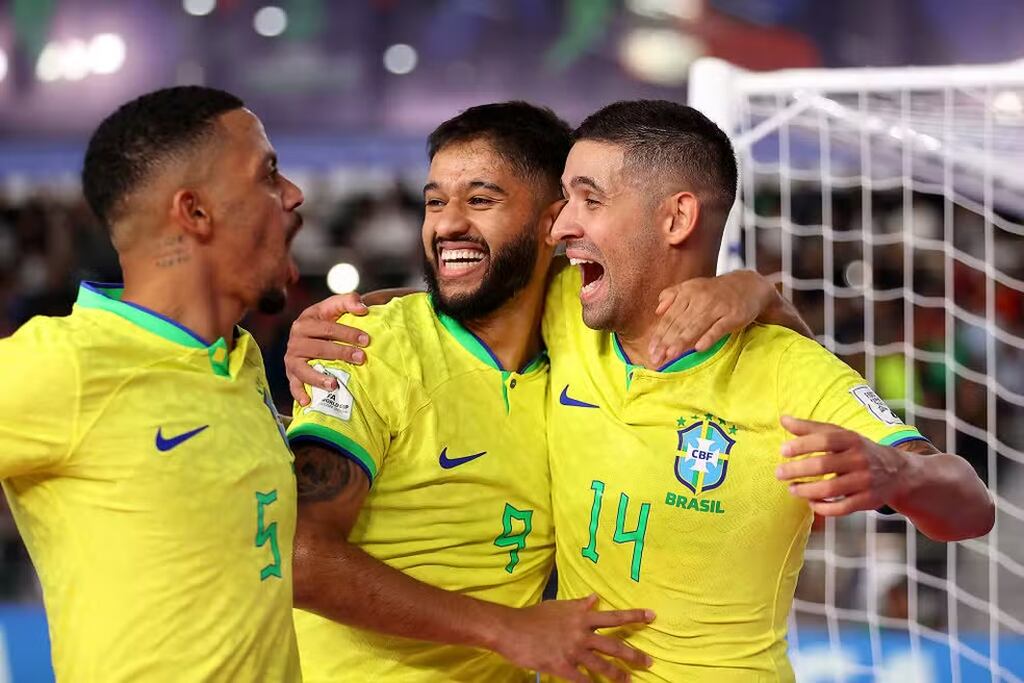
{"points": [[49, 242]]}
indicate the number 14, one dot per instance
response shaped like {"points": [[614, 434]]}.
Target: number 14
{"points": [[636, 537]]}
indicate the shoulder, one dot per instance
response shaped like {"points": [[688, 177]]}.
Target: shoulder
{"points": [[45, 341], [403, 335]]}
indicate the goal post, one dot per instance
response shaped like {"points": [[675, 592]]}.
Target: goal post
{"points": [[888, 203]]}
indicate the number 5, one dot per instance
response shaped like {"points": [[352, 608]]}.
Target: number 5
{"points": [[264, 534]]}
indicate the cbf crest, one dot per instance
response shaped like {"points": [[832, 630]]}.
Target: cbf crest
{"points": [[704, 448]]}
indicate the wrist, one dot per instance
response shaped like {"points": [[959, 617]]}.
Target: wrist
{"points": [[494, 632], [905, 470]]}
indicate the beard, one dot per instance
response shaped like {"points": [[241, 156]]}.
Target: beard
{"points": [[508, 272], [272, 301]]}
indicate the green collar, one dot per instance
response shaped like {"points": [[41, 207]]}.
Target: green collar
{"points": [[478, 347], [689, 359], [107, 297]]}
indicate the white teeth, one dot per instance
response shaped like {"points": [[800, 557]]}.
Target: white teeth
{"points": [[579, 261], [461, 255], [591, 287]]}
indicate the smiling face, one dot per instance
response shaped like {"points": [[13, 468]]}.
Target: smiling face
{"points": [[481, 232], [606, 225]]}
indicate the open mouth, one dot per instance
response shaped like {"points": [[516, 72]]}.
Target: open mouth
{"points": [[455, 260], [593, 275]]}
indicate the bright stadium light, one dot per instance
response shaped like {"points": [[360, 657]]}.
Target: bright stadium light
{"points": [[3, 65], [660, 55], [1009, 103], [106, 53], [342, 278], [270, 21], [400, 58], [74, 60], [199, 8], [50, 66]]}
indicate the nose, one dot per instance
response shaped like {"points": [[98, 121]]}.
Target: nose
{"points": [[292, 196], [566, 226], [451, 222]]}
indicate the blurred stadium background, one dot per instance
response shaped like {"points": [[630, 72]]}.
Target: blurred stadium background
{"points": [[890, 210]]}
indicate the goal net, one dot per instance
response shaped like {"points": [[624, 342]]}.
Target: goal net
{"points": [[888, 204]]}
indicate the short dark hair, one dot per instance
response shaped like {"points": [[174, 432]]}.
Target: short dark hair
{"points": [[143, 134], [665, 137], [532, 139]]}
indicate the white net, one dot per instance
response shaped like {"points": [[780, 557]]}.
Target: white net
{"points": [[889, 205]]}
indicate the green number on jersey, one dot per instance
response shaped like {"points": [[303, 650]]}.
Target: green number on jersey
{"points": [[517, 541], [269, 533], [590, 552], [636, 537]]}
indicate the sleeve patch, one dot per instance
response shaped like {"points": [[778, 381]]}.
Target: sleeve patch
{"points": [[875, 405], [337, 403]]}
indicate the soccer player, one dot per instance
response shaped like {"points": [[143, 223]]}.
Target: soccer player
{"points": [[452, 442], [668, 485], [423, 481], [139, 449]]}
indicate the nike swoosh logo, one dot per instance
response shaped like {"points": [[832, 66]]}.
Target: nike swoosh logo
{"points": [[449, 463], [164, 445], [567, 400]]}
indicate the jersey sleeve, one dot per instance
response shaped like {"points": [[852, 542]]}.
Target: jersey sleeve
{"points": [[39, 400], [369, 408], [815, 385]]}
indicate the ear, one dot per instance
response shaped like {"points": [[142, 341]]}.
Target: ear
{"points": [[548, 218], [190, 215], [684, 217]]}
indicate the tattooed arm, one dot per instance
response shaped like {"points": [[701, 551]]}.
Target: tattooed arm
{"points": [[338, 580]]}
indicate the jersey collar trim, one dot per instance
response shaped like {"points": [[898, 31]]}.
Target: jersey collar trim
{"points": [[478, 347], [107, 297], [689, 359]]}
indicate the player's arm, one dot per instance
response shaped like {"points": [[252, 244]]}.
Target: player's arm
{"points": [[316, 334], [340, 581], [36, 437], [939, 492], [698, 312]]}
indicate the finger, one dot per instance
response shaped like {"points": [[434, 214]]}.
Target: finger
{"points": [[672, 337], [666, 332], [842, 486], [305, 373], [614, 647], [570, 673], [298, 391], [665, 299], [833, 441], [335, 306], [799, 427], [855, 503], [815, 466], [621, 617], [602, 667], [313, 349], [328, 330], [717, 331]]}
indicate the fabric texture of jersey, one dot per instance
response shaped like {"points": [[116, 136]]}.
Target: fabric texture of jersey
{"points": [[460, 495], [149, 477], [664, 489]]}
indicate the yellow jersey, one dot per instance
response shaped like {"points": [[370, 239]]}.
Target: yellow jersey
{"points": [[150, 479], [454, 447], [664, 489]]}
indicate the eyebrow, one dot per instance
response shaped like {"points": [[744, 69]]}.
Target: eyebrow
{"points": [[473, 184], [587, 181]]}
